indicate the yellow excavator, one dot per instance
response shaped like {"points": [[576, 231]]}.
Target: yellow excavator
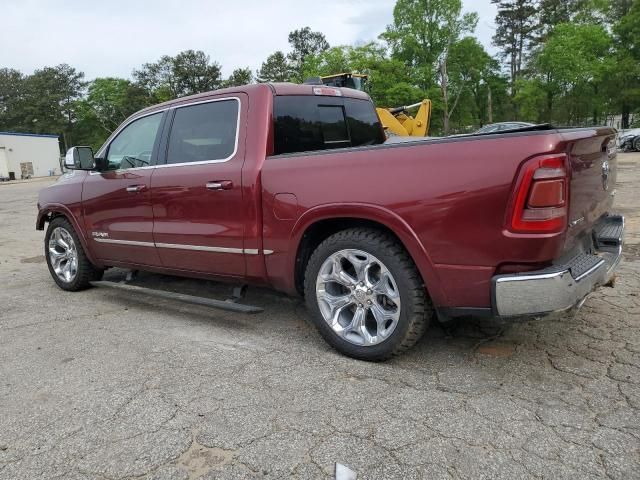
{"points": [[396, 121]]}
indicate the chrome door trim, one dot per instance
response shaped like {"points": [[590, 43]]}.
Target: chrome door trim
{"points": [[177, 246], [125, 242], [200, 248]]}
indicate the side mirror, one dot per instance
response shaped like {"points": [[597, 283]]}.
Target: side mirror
{"points": [[80, 158]]}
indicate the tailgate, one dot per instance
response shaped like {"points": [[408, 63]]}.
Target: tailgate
{"points": [[592, 154]]}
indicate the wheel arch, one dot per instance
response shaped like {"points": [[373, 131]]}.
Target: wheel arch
{"points": [[319, 223], [48, 213]]}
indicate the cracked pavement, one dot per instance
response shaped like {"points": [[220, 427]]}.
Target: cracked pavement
{"points": [[110, 385]]}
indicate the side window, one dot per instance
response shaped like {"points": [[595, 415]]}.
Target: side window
{"points": [[132, 147], [204, 132], [310, 123]]}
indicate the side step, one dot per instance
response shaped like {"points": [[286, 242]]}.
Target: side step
{"points": [[181, 297]]}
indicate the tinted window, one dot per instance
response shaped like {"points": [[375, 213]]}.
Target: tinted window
{"points": [[203, 132], [306, 123], [333, 124], [364, 124], [134, 144]]}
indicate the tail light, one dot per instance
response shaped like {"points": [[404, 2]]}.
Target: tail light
{"points": [[541, 198]]}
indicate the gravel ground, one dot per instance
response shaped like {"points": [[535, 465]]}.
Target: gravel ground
{"points": [[107, 385]]}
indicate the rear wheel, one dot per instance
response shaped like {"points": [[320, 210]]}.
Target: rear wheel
{"points": [[636, 144], [67, 261], [366, 295]]}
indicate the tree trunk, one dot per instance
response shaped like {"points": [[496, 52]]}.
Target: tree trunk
{"points": [[65, 141], [445, 95], [626, 112], [489, 106], [596, 116]]}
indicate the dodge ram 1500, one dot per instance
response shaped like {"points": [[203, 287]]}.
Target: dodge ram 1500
{"points": [[296, 188]]}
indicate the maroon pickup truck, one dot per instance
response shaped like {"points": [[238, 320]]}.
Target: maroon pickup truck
{"points": [[296, 188]]}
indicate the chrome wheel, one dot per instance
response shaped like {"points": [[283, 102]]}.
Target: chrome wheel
{"points": [[358, 297], [63, 254]]}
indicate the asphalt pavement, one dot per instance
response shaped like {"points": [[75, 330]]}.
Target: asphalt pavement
{"points": [[106, 384]]}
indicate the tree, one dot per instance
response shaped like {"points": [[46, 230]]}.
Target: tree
{"points": [[275, 68], [516, 25], [304, 42], [240, 76], [457, 25], [11, 91], [617, 9], [472, 72], [569, 71], [187, 73], [48, 103], [114, 99], [554, 12], [389, 81], [625, 79], [420, 33]]}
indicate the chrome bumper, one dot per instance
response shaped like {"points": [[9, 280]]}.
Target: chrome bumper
{"points": [[561, 287]]}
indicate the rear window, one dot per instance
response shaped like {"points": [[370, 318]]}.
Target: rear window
{"points": [[304, 123]]}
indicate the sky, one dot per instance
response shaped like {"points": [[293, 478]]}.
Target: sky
{"points": [[113, 37]]}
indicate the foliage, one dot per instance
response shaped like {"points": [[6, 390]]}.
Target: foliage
{"points": [[389, 79], [44, 102], [240, 76], [516, 25], [422, 36], [569, 72], [108, 103], [275, 68], [187, 73], [304, 42], [422, 31], [11, 91], [567, 62]]}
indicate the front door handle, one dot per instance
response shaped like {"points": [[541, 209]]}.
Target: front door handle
{"points": [[136, 188], [220, 185]]}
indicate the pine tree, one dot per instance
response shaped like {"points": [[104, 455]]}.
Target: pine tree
{"points": [[516, 24]]}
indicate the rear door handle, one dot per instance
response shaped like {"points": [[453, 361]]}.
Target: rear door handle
{"points": [[136, 188], [220, 185]]}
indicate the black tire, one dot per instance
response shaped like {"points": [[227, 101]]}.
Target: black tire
{"points": [[86, 271], [636, 144], [416, 311]]}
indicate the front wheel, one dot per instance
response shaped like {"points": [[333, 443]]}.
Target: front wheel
{"points": [[66, 259], [366, 295]]}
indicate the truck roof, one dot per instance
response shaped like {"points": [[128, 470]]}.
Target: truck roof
{"points": [[276, 88]]}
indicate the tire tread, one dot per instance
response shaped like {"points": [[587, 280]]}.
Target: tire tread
{"points": [[421, 309]]}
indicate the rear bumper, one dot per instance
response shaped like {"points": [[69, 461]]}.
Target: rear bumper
{"points": [[561, 287]]}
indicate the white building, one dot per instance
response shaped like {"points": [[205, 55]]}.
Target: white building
{"points": [[28, 154]]}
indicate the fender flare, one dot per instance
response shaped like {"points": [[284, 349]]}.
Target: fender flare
{"points": [[59, 209], [378, 214]]}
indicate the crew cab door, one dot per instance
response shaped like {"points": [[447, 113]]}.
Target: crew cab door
{"points": [[199, 219], [117, 207]]}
